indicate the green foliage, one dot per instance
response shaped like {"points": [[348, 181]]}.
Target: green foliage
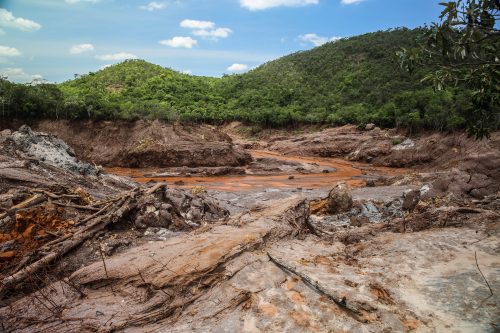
{"points": [[351, 81], [463, 49], [396, 141]]}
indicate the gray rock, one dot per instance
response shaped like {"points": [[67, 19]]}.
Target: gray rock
{"points": [[51, 150]]}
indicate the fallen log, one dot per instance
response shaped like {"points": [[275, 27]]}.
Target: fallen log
{"points": [[76, 206], [56, 196], [351, 308]]}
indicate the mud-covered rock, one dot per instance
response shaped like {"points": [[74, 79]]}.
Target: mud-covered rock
{"points": [[339, 199], [411, 199], [48, 149], [476, 176], [370, 127], [177, 209]]}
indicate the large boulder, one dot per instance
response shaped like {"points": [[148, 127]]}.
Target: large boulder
{"points": [[339, 199]]}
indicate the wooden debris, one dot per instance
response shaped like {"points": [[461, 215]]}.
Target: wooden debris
{"points": [[316, 286], [113, 212], [32, 201]]}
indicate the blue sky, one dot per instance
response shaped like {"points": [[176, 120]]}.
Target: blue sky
{"points": [[55, 39]]}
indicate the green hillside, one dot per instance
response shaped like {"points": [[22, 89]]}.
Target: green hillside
{"points": [[355, 80], [136, 88]]}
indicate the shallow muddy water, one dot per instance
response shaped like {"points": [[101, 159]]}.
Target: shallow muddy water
{"points": [[354, 174]]}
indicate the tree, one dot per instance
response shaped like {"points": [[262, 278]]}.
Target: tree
{"points": [[464, 49]]}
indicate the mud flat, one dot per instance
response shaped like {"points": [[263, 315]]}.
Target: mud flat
{"points": [[296, 242]]}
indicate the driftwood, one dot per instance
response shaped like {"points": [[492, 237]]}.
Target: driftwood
{"points": [[32, 201], [76, 206], [110, 214], [56, 196], [340, 301]]}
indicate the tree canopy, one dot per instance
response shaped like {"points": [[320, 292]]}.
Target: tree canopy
{"points": [[464, 50], [354, 80]]}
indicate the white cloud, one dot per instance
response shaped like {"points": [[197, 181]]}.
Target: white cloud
{"points": [[77, 49], [317, 40], [105, 66], [6, 51], [187, 71], [237, 68], [8, 20], [266, 4], [153, 5], [214, 33], [78, 1], [200, 25], [116, 56], [351, 2], [180, 42], [19, 75], [206, 29]]}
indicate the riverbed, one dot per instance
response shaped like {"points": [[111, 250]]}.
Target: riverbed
{"points": [[355, 174]]}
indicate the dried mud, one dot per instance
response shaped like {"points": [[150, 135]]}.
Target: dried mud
{"points": [[389, 250]]}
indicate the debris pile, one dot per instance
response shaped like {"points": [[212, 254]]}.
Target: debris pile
{"points": [[345, 219], [98, 253], [61, 205]]}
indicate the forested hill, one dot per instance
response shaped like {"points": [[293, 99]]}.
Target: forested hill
{"points": [[355, 80], [138, 89]]}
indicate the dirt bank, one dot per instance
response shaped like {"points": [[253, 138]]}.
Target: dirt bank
{"points": [[141, 144], [387, 147], [465, 165]]}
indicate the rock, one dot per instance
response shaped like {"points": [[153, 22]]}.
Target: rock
{"points": [[179, 182], [339, 199], [406, 144], [291, 177], [411, 199], [370, 183], [369, 127], [359, 221], [113, 245], [371, 211]]}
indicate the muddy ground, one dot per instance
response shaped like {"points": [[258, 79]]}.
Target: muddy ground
{"points": [[281, 232]]}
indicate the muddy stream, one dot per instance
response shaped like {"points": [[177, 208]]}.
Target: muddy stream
{"points": [[355, 174]]}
